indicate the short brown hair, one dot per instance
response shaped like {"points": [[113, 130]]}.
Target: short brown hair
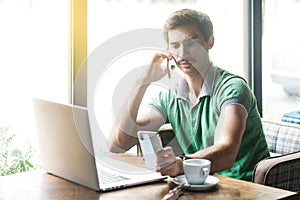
{"points": [[189, 17]]}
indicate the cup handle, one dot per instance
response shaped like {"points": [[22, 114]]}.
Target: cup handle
{"points": [[205, 172]]}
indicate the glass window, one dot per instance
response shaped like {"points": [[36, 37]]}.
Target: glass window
{"points": [[281, 58], [34, 60], [107, 19]]}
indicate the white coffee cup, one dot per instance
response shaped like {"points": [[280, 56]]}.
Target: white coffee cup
{"points": [[196, 170]]}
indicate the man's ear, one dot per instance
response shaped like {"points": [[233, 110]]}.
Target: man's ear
{"points": [[211, 41]]}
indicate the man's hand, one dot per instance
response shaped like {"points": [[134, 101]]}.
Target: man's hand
{"points": [[155, 71], [167, 163]]}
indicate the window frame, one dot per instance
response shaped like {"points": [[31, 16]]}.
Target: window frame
{"points": [[78, 49]]}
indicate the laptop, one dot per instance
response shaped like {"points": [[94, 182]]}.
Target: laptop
{"points": [[66, 150]]}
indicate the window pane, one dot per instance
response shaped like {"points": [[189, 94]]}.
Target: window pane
{"points": [[281, 58], [34, 60], [107, 19]]}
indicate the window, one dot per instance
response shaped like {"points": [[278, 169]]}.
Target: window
{"points": [[109, 19], [34, 60], [281, 58]]}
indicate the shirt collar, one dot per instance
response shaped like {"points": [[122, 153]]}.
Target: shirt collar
{"points": [[183, 88]]}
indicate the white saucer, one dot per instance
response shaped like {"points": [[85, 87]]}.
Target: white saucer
{"points": [[210, 182]]}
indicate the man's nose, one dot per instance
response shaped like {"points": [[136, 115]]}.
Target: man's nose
{"points": [[183, 51]]}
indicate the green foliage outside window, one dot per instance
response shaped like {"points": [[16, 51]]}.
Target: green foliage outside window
{"points": [[13, 160]]}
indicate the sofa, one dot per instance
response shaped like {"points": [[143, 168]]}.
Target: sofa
{"points": [[281, 169]]}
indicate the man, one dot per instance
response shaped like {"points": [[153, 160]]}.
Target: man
{"points": [[213, 112]]}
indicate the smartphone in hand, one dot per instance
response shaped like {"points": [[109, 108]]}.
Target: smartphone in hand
{"points": [[150, 143]]}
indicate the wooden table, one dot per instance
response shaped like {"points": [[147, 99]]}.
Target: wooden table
{"points": [[41, 185]]}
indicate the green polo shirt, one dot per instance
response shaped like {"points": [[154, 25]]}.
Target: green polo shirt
{"points": [[194, 125]]}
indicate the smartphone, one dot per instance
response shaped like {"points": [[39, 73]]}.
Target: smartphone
{"points": [[168, 68], [150, 142]]}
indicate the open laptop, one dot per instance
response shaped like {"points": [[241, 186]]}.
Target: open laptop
{"points": [[66, 149]]}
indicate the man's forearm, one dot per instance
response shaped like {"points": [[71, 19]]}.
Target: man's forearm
{"points": [[221, 157], [124, 132], [123, 135]]}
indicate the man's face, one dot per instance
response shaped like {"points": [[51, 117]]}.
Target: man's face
{"points": [[190, 50]]}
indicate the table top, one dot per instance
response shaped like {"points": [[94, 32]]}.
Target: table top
{"points": [[41, 185]]}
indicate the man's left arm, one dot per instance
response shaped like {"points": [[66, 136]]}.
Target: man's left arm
{"points": [[222, 154], [228, 136]]}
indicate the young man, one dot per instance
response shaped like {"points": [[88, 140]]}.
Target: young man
{"points": [[213, 112]]}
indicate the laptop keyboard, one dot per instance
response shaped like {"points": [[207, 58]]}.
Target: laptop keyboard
{"points": [[110, 178]]}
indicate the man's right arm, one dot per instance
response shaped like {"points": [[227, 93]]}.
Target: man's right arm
{"points": [[124, 132]]}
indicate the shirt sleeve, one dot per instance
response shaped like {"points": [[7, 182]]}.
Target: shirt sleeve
{"points": [[233, 101], [236, 91], [159, 105]]}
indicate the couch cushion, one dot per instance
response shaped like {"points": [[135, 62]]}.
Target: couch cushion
{"points": [[279, 171], [282, 138]]}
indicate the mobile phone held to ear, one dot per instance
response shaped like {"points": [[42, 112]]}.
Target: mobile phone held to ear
{"points": [[150, 143]]}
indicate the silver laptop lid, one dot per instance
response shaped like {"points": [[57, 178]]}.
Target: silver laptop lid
{"points": [[65, 142], [66, 148]]}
